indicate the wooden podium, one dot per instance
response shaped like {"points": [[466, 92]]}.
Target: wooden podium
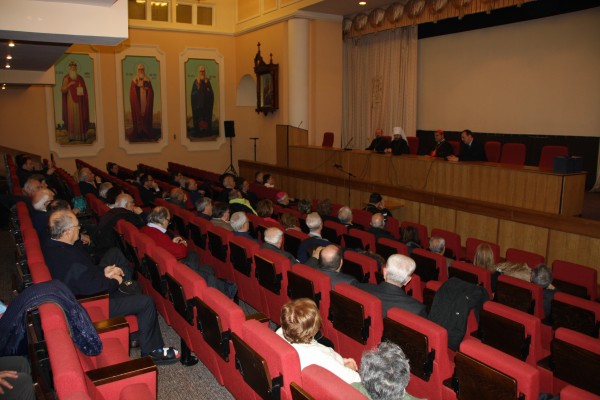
{"points": [[287, 136]]}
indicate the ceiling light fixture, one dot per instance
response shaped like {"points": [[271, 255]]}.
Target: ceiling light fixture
{"points": [[7, 66], [11, 44], [362, 3], [8, 57]]}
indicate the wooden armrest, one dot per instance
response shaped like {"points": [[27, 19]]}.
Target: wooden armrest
{"points": [[87, 299], [111, 324], [122, 371], [260, 317]]}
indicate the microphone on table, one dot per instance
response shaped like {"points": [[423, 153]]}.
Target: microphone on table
{"points": [[346, 148]]}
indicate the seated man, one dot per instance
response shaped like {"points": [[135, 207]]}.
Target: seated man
{"points": [[345, 216], [385, 373], [220, 216], [124, 209], [330, 263], [148, 189], [378, 227], [273, 238], [315, 225], [399, 144], [438, 245], [39, 217], [378, 143], [72, 265], [472, 150], [240, 225], [377, 205], [396, 274], [542, 276], [443, 148], [204, 208], [156, 229], [88, 182]]}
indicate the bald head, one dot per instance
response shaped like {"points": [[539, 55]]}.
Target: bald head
{"points": [[125, 200], [377, 221], [331, 258], [314, 222], [274, 236], [399, 269], [64, 226]]}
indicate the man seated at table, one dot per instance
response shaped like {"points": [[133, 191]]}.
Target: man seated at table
{"points": [[442, 148], [399, 144], [472, 150], [378, 143]]}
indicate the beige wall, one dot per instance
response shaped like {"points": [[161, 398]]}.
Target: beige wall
{"points": [[539, 76], [23, 110]]}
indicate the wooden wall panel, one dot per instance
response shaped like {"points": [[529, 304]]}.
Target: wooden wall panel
{"points": [[520, 236], [575, 248], [438, 217], [476, 226]]}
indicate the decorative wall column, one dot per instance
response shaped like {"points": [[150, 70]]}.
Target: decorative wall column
{"points": [[298, 56]]}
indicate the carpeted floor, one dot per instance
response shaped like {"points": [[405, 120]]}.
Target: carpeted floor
{"points": [[175, 382]]}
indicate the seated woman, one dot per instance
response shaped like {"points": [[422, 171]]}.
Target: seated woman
{"points": [[300, 322], [264, 209], [289, 221], [484, 258]]}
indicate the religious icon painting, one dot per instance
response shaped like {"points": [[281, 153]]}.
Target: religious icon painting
{"points": [[74, 101], [202, 99], [202, 93], [141, 99]]}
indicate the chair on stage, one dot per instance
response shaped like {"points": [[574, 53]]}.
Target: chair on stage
{"points": [[492, 151], [413, 144], [549, 153], [328, 139], [522, 256], [455, 146], [513, 153], [575, 279]]}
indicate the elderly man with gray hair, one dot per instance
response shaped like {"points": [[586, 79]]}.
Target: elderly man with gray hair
{"points": [[315, 225], [240, 225], [396, 274], [345, 216], [39, 216], [438, 245], [273, 238], [542, 276], [385, 373]]}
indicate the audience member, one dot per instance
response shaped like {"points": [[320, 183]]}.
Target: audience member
{"points": [[315, 225], [178, 197], [244, 188], [240, 225], [258, 177], [156, 229], [324, 208], [112, 194], [204, 208], [304, 206], [300, 322], [542, 276], [283, 199], [409, 235], [103, 189], [273, 240], [289, 221], [238, 203], [377, 205], [345, 216], [438, 245], [228, 183], [442, 148], [264, 209], [396, 274], [26, 167], [378, 227], [399, 143], [268, 181], [472, 150], [70, 264], [385, 373], [124, 209], [88, 182], [191, 185], [220, 216], [484, 258], [149, 190], [331, 260], [39, 217]]}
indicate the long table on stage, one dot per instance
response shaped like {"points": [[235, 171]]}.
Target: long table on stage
{"points": [[526, 187]]}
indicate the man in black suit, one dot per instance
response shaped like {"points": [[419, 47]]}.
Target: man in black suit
{"points": [[240, 225], [396, 274], [378, 143], [88, 182], [398, 145], [274, 240], [125, 208], [315, 224], [72, 265], [443, 148], [330, 262], [472, 150], [378, 227]]}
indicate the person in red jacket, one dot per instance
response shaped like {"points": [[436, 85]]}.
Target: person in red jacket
{"points": [[156, 228]]}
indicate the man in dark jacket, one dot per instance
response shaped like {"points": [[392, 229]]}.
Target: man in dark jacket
{"points": [[472, 150], [378, 227], [274, 241], [397, 273], [125, 208], [72, 265], [330, 262]]}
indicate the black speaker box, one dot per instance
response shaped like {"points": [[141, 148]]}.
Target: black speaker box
{"points": [[229, 129]]}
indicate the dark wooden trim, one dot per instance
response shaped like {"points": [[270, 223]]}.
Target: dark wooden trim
{"points": [[112, 324], [124, 370]]}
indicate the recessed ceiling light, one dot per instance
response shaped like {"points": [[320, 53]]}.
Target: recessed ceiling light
{"points": [[362, 3], [8, 57], [7, 66], [11, 44]]}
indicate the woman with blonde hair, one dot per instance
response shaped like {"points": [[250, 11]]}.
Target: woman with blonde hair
{"points": [[484, 257], [300, 322]]}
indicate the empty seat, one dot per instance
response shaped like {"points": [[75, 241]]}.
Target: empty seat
{"points": [[292, 239], [218, 245], [570, 392], [328, 139], [521, 295], [549, 153], [575, 313], [241, 258], [575, 279], [333, 231], [522, 256], [413, 144], [492, 151], [513, 153], [430, 266], [387, 247]]}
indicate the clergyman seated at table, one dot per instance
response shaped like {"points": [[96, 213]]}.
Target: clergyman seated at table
{"points": [[378, 143], [442, 148], [399, 144]]}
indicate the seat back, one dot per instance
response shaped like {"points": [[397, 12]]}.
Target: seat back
{"points": [[361, 217], [386, 247], [472, 274], [575, 359], [575, 313], [320, 383], [292, 239], [359, 239], [422, 229], [241, 258], [426, 347], [455, 146], [218, 245], [328, 139], [520, 295], [413, 144], [510, 331], [492, 151], [430, 266], [513, 153], [452, 243], [549, 153], [304, 281], [360, 266], [575, 279], [356, 319], [333, 231], [522, 256], [472, 244], [271, 272], [502, 376]]}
